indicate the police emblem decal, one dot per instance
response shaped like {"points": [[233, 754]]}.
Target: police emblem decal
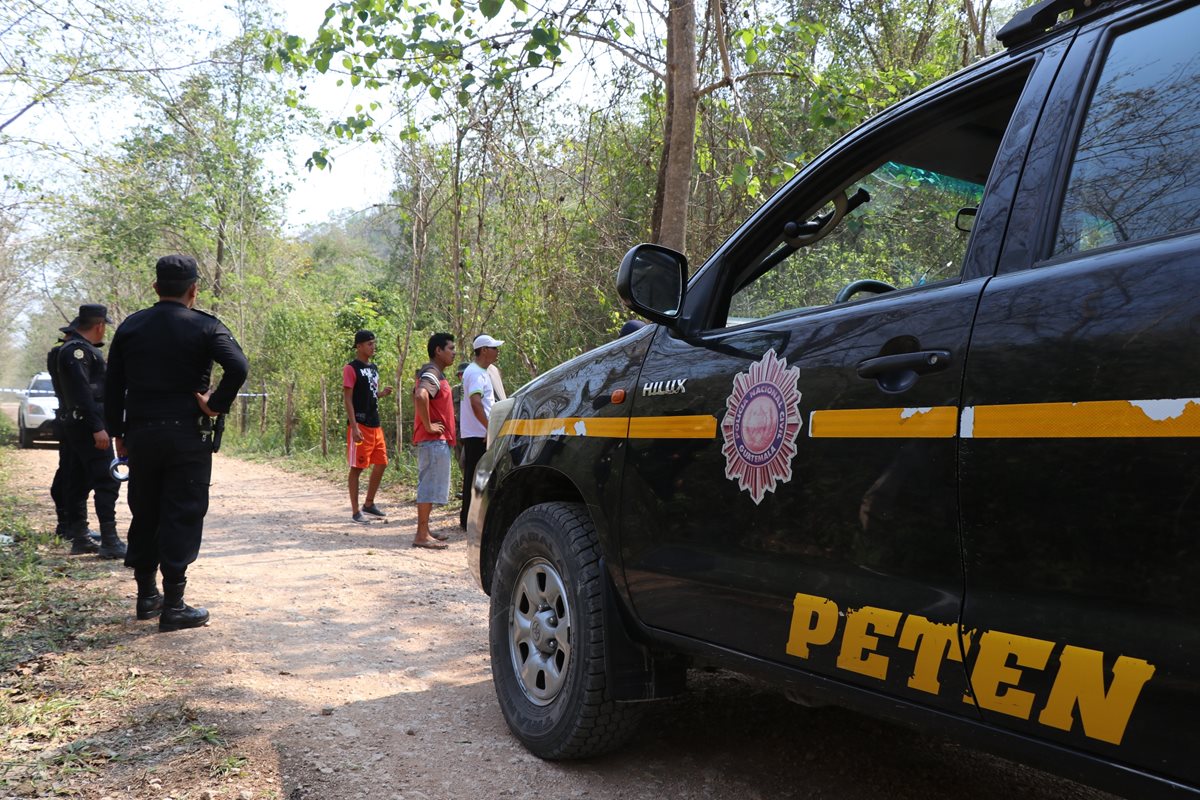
{"points": [[761, 424]]}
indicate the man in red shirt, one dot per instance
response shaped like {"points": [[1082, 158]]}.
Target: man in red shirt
{"points": [[434, 435], [365, 443]]}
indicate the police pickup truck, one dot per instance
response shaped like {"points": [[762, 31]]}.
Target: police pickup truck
{"points": [[920, 438]]}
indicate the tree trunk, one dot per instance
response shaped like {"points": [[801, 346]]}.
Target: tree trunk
{"points": [[456, 198], [420, 245], [218, 287], [679, 134]]}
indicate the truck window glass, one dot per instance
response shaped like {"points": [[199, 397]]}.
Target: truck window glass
{"points": [[928, 168], [1136, 170]]}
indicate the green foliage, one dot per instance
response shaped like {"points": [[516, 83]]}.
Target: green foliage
{"points": [[511, 208], [420, 45]]}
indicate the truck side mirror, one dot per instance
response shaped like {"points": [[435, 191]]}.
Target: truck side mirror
{"points": [[965, 219], [652, 281]]}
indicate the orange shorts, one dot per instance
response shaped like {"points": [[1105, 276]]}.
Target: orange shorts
{"points": [[371, 450]]}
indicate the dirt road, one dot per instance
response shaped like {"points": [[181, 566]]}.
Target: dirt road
{"points": [[357, 666]]}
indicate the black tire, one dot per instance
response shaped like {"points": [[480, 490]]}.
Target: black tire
{"points": [[24, 435], [547, 637]]}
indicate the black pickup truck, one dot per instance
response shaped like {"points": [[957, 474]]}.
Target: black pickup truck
{"points": [[920, 438]]}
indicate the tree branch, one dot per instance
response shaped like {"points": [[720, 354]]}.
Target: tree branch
{"points": [[718, 14], [728, 81], [637, 58], [76, 77]]}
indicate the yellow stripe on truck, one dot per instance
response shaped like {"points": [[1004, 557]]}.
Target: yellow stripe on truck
{"points": [[604, 427], [1097, 419], [939, 422], [700, 426], [1087, 420], [696, 426]]}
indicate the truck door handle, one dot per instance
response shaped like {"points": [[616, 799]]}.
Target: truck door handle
{"points": [[898, 372]]}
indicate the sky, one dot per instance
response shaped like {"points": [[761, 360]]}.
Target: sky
{"points": [[361, 174]]}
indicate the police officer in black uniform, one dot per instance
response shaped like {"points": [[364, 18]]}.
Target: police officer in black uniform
{"points": [[81, 380], [161, 413], [63, 475]]}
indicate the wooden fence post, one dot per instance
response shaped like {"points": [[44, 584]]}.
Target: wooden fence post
{"points": [[288, 419], [262, 417], [324, 419], [398, 447]]}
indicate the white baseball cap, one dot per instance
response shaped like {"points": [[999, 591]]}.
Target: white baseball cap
{"points": [[483, 340]]}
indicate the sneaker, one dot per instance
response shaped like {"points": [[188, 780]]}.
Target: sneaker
{"points": [[373, 510], [360, 518]]}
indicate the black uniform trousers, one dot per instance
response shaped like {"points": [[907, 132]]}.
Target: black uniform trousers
{"points": [[89, 472], [66, 507], [170, 467], [473, 448]]}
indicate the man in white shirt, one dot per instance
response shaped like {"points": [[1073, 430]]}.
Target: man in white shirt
{"points": [[478, 395]]}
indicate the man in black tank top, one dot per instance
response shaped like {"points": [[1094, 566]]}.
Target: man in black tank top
{"points": [[365, 444]]}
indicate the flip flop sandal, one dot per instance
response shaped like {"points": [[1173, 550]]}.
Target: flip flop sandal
{"points": [[434, 545]]}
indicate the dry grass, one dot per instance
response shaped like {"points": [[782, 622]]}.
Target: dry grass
{"points": [[81, 712]]}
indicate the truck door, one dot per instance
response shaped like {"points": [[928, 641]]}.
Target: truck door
{"points": [[790, 489], [1079, 458]]}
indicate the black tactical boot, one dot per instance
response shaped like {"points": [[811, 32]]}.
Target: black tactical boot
{"points": [[81, 542], [111, 545], [175, 613], [63, 531], [149, 599]]}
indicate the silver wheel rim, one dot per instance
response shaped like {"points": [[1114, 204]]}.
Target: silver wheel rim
{"points": [[539, 631]]}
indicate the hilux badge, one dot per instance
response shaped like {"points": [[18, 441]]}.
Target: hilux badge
{"points": [[655, 388], [761, 424]]}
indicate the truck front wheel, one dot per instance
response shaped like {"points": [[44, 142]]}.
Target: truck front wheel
{"points": [[547, 637]]}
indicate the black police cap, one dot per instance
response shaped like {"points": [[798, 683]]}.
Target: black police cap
{"points": [[176, 268], [88, 312]]}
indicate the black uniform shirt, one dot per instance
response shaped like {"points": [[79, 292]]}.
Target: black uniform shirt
{"points": [[52, 368], [161, 356], [81, 380]]}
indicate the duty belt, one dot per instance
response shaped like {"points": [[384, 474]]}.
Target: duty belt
{"points": [[210, 429], [202, 422]]}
